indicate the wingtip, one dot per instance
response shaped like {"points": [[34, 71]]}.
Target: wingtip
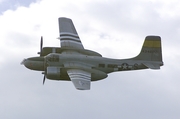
{"points": [[64, 18]]}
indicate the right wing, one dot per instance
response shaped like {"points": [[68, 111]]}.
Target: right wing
{"points": [[68, 35], [81, 79], [82, 74]]}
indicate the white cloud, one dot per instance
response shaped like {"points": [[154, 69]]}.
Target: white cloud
{"points": [[115, 29], [1, 1]]}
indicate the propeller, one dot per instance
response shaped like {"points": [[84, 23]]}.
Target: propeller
{"points": [[44, 79], [22, 63], [44, 72], [40, 53], [41, 46]]}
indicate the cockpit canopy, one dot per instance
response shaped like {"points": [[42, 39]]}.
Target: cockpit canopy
{"points": [[52, 57]]}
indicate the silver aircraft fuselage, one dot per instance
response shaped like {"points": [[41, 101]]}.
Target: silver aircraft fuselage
{"points": [[103, 64]]}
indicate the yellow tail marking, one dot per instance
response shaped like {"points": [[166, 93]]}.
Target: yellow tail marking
{"points": [[152, 44]]}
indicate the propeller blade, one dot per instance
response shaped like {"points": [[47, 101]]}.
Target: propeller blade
{"points": [[41, 45], [44, 79], [22, 63]]}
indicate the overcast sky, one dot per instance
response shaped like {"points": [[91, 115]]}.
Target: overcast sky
{"points": [[115, 29]]}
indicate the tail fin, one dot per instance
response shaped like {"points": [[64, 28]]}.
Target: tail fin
{"points": [[151, 51]]}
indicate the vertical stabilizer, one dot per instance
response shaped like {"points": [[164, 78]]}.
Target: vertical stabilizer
{"points": [[151, 50]]}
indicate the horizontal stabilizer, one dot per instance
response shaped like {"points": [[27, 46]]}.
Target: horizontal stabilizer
{"points": [[152, 65]]}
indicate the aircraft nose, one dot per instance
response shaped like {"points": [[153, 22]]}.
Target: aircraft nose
{"points": [[25, 62], [34, 63]]}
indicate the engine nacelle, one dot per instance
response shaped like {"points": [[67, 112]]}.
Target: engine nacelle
{"points": [[53, 73]]}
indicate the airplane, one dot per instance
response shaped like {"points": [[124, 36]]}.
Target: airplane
{"points": [[72, 62]]}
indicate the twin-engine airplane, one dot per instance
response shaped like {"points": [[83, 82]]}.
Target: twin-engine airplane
{"points": [[71, 62]]}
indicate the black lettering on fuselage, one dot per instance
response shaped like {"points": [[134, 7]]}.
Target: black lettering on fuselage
{"points": [[112, 66], [149, 51]]}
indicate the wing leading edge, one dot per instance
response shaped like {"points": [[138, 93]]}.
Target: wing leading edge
{"points": [[68, 35]]}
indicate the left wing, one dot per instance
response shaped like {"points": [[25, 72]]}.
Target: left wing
{"points": [[69, 40], [81, 79], [68, 35]]}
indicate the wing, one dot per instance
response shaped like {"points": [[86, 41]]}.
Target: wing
{"points": [[68, 35], [81, 79]]}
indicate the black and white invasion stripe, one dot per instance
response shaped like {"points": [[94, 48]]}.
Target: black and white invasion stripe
{"points": [[70, 39], [79, 74]]}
